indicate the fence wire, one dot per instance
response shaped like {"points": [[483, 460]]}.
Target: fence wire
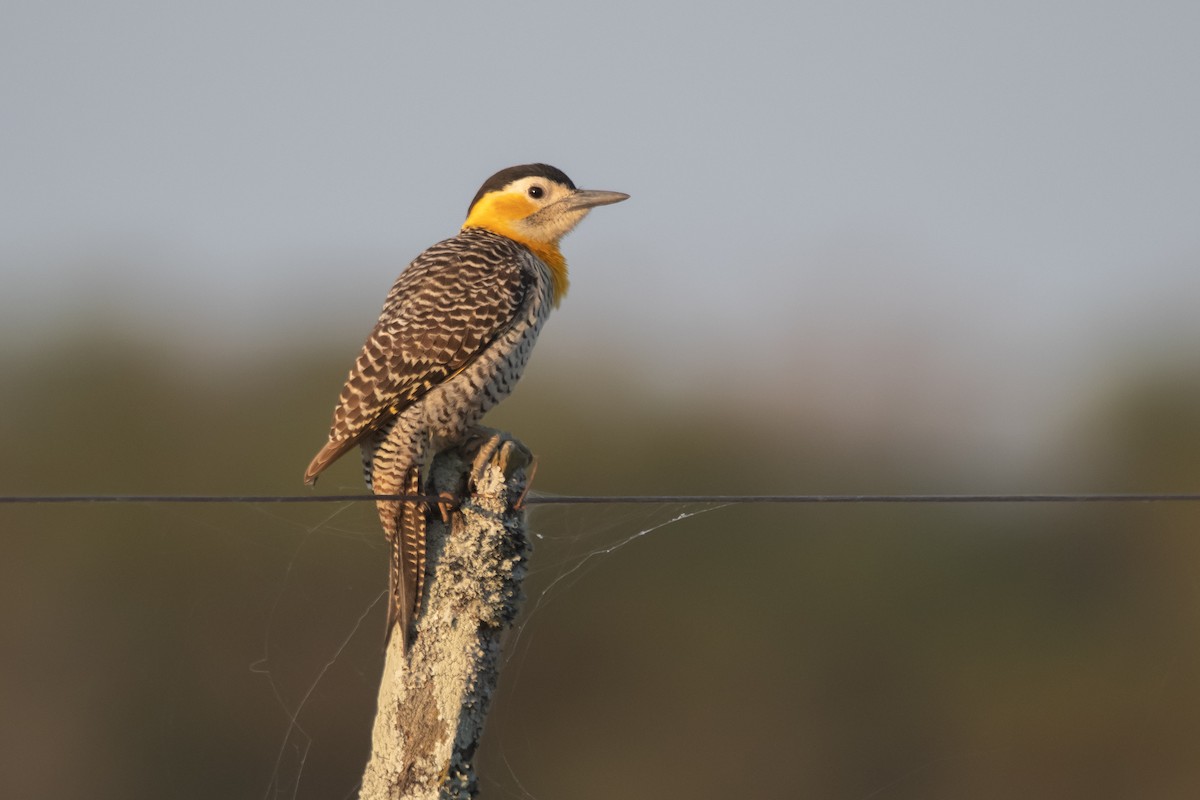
{"points": [[535, 499]]}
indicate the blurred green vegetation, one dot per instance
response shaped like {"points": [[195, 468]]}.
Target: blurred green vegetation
{"points": [[836, 651]]}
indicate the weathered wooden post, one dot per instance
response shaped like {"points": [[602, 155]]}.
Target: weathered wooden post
{"points": [[433, 700]]}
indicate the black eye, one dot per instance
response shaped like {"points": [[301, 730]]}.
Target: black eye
{"points": [[536, 191]]}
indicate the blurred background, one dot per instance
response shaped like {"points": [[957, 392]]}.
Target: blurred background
{"points": [[871, 247]]}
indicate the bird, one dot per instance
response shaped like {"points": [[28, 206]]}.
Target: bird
{"points": [[453, 338]]}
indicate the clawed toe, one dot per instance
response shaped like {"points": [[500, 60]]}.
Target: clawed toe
{"points": [[499, 449], [530, 471], [446, 504]]}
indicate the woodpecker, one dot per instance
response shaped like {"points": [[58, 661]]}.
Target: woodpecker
{"points": [[453, 338]]}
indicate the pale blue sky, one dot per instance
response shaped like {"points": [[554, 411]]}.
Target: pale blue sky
{"points": [[1007, 191]]}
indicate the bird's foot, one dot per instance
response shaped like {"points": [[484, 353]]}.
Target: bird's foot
{"points": [[499, 448]]}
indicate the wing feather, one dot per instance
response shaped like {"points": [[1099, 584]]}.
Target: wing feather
{"points": [[443, 312]]}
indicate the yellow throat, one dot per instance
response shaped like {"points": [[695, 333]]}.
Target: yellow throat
{"points": [[502, 213]]}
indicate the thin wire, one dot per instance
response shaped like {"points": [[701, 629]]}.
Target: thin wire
{"points": [[550, 500]]}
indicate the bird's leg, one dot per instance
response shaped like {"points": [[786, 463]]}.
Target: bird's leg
{"points": [[446, 502]]}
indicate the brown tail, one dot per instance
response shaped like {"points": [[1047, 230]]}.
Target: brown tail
{"points": [[330, 453], [404, 524]]}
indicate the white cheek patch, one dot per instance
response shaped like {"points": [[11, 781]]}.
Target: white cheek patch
{"points": [[552, 191]]}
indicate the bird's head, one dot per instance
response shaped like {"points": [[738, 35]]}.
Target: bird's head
{"points": [[534, 204]]}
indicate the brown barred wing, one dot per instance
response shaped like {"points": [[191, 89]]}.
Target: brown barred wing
{"points": [[442, 313]]}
